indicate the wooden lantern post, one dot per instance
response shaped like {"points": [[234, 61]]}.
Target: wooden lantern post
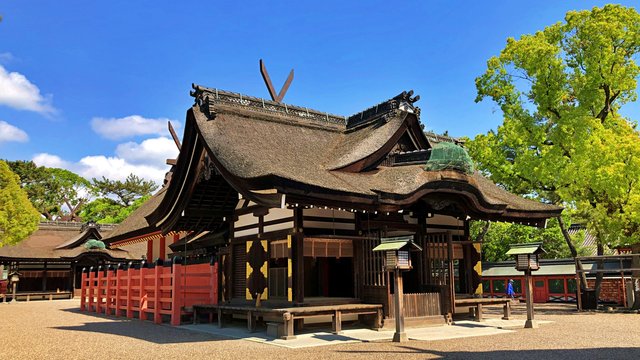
{"points": [[398, 259], [527, 260]]}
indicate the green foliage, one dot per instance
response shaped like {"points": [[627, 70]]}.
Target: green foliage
{"points": [[109, 211], [94, 244], [125, 192], [18, 218], [500, 235], [58, 194], [563, 139]]}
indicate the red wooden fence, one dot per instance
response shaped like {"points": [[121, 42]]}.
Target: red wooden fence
{"points": [[161, 290]]}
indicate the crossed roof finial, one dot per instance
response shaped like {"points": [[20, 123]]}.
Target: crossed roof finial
{"points": [[275, 97]]}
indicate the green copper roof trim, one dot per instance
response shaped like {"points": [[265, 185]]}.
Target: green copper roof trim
{"points": [[526, 249], [397, 243]]}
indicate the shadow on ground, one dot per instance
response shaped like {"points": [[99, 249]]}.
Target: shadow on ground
{"points": [[596, 353], [134, 328]]}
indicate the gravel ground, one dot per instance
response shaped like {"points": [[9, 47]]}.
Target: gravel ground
{"points": [[57, 330]]}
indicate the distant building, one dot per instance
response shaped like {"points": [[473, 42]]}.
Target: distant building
{"points": [[51, 259]]}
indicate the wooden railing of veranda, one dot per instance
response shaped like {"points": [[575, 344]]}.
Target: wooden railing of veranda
{"points": [[147, 291]]}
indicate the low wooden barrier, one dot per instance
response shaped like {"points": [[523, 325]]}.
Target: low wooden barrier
{"points": [[170, 290], [420, 305]]}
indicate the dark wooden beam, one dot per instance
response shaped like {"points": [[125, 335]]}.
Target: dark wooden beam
{"points": [[298, 257]]}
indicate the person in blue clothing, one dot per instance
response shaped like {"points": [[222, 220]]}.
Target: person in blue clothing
{"points": [[510, 293]]}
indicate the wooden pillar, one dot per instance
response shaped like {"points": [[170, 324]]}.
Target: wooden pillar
{"points": [[530, 323], [298, 256], [163, 246], [452, 286], [44, 277], [149, 250], [400, 335]]}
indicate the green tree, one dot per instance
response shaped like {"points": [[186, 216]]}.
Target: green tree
{"points": [[18, 218], [109, 211], [117, 199], [563, 139], [498, 237], [58, 194], [126, 191]]}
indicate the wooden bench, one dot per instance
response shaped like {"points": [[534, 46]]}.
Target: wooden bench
{"points": [[289, 315], [477, 304]]}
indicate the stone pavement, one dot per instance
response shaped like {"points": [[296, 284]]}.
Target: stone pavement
{"points": [[460, 329]]}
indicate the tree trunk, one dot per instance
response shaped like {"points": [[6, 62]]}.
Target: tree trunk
{"points": [[599, 266], [574, 252], [483, 232]]}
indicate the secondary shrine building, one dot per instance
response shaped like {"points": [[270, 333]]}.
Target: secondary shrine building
{"points": [[292, 201]]}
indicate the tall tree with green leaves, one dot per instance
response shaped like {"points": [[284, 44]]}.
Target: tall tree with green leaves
{"points": [[563, 139], [117, 199], [18, 218], [125, 192], [58, 194]]}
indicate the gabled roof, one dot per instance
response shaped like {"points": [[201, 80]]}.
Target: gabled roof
{"points": [[62, 242], [271, 153]]}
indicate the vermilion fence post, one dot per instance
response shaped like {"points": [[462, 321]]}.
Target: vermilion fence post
{"points": [[142, 308], [108, 297], [129, 295], [176, 297], [157, 317], [99, 290], [83, 290], [91, 289], [118, 294]]}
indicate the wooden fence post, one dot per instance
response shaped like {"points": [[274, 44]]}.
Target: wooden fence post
{"points": [[142, 305], [118, 289], [157, 317], [176, 305], [98, 289], [83, 290], [108, 296], [129, 289], [91, 289]]}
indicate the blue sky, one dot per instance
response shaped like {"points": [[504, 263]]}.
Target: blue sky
{"points": [[88, 85]]}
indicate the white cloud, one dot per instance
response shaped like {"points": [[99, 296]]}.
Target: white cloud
{"points": [[129, 126], [150, 151], [9, 132], [18, 92], [48, 160], [146, 159]]}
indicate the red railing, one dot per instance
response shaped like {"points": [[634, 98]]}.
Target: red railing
{"points": [[156, 291]]}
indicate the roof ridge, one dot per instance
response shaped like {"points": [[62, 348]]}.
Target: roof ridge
{"points": [[403, 101], [207, 97]]}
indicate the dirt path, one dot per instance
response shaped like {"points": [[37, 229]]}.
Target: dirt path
{"points": [[57, 330]]}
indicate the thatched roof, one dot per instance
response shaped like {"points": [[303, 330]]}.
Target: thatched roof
{"points": [[63, 242], [260, 144]]}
